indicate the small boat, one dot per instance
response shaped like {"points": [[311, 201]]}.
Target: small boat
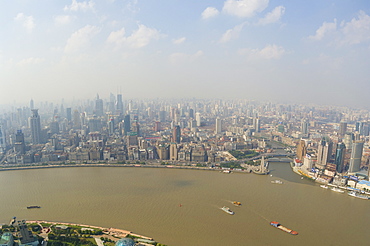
{"points": [[29, 207], [283, 228], [357, 195], [226, 171], [277, 181], [227, 210], [237, 203], [337, 190], [324, 186]]}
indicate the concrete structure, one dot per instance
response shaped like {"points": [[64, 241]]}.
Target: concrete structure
{"points": [[176, 134], [7, 239], [304, 126], [356, 155], [342, 128], [324, 152], [2, 139], [119, 105], [35, 126], [25, 236], [126, 124], [218, 127], [339, 157]]}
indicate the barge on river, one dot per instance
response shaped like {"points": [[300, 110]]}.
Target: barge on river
{"points": [[283, 228]]}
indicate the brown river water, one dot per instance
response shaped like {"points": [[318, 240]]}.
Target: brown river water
{"points": [[147, 201]]}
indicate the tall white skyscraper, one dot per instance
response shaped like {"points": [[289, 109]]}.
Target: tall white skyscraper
{"points": [[198, 119], [218, 126], [35, 125]]}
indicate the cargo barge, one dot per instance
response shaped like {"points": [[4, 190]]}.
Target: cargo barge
{"points": [[29, 207], [283, 228]]}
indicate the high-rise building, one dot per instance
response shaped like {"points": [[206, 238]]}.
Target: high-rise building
{"points": [[162, 116], [111, 126], [339, 157], [69, 114], [76, 119], [99, 107], [94, 124], [342, 128], [2, 139], [256, 124], [119, 105], [348, 139], [359, 127], [218, 127], [301, 149], [32, 106], [198, 119], [176, 134], [25, 236], [54, 127], [304, 126], [35, 125], [126, 124], [191, 113], [356, 155], [324, 152], [173, 151], [157, 126], [19, 145]]}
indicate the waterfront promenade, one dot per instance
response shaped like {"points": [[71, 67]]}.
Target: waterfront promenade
{"points": [[113, 232]]}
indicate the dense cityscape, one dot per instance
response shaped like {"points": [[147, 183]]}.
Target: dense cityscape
{"points": [[331, 144]]}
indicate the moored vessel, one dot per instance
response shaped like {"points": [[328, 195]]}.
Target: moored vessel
{"points": [[283, 228], [227, 210], [324, 186], [357, 195], [277, 181], [337, 190]]}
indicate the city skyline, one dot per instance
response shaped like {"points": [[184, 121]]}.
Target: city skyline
{"points": [[267, 50]]}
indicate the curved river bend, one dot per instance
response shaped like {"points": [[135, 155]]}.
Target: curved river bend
{"points": [[147, 201]]}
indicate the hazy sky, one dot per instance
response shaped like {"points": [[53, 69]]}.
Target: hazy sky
{"points": [[302, 51]]}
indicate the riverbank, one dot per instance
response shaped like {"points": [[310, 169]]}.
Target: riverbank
{"points": [[12, 168], [113, 232]]}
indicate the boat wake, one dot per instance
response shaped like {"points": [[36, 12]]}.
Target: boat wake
{"points": [[258, 214]]}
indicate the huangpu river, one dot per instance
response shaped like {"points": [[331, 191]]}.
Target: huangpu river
{"points": [[182, 207]]}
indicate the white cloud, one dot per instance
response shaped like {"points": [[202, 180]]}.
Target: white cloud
{"points": [[324, 29], [31, 60], [232, 33], [76, 6], [27, 21], [63, 19], [357, 30], [244, 8], [132, 6], [138, 39], [182, 57], [117, 37], [268, 53], [273, 16], [179, 40], [81, 38], [209, 13]]}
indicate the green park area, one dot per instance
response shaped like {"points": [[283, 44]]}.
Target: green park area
{"points": [[245, 154]]}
